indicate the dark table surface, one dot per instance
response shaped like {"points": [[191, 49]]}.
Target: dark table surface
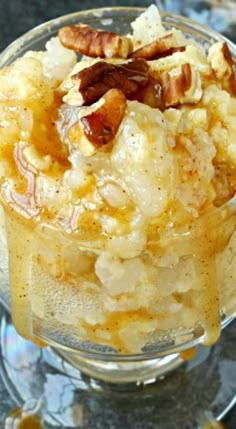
{"points": [[19, 16]]}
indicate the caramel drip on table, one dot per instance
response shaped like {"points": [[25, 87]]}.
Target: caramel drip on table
{"points": [[214, 425], [28, 422]]}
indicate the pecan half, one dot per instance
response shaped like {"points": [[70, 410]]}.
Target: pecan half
{"points": [[100, 125], [181, 85], [222, 64], [160, 48], [94, 43], [232, 82], [93, 82]]}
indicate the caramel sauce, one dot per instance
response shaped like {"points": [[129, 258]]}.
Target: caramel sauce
{"points": [[202, 242], [88, 187], [21, 236], [214, 425], [6, 153], [134, 79], [20, 239], [114, 323], [39, 342], [210, 299], [188, 354], [124, 215], [35, 339], [208, 313], [29, 422], [44, 136], [88, 227], [151, 95], [128, 77]]}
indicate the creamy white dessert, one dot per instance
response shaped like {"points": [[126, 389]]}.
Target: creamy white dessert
{"points": [[116, 176]]}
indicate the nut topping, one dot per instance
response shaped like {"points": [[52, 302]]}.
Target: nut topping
{"points": [[232, 83], [221, 60], [181, 85], [158, 49], [222, 63], [101, 124], [151, 95], [93, 82], [94, 43]]}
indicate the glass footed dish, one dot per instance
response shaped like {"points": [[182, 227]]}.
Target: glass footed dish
{"points": [[48, 312]]}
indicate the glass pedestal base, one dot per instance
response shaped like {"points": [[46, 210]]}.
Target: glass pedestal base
{"points": [[183, 398]]}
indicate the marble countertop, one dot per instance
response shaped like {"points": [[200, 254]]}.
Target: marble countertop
{"points": [[19, 16]]}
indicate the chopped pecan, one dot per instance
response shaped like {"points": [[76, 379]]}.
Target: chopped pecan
{"points": [[232, 82], [160, 48], [151, 95], [90, 74], [181, 85], [93, 82], [101, 124], [220, 60], [222, 63], [94, 43]]}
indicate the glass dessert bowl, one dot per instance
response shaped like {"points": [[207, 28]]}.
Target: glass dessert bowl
{"points": [[119, 233]]}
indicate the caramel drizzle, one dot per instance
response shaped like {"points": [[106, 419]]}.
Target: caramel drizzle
{"points": [[94, 81]]}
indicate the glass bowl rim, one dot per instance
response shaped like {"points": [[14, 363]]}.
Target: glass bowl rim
{"points": [[11, 49]]}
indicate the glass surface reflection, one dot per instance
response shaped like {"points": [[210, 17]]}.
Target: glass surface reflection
{"points": [[219, 15]]}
